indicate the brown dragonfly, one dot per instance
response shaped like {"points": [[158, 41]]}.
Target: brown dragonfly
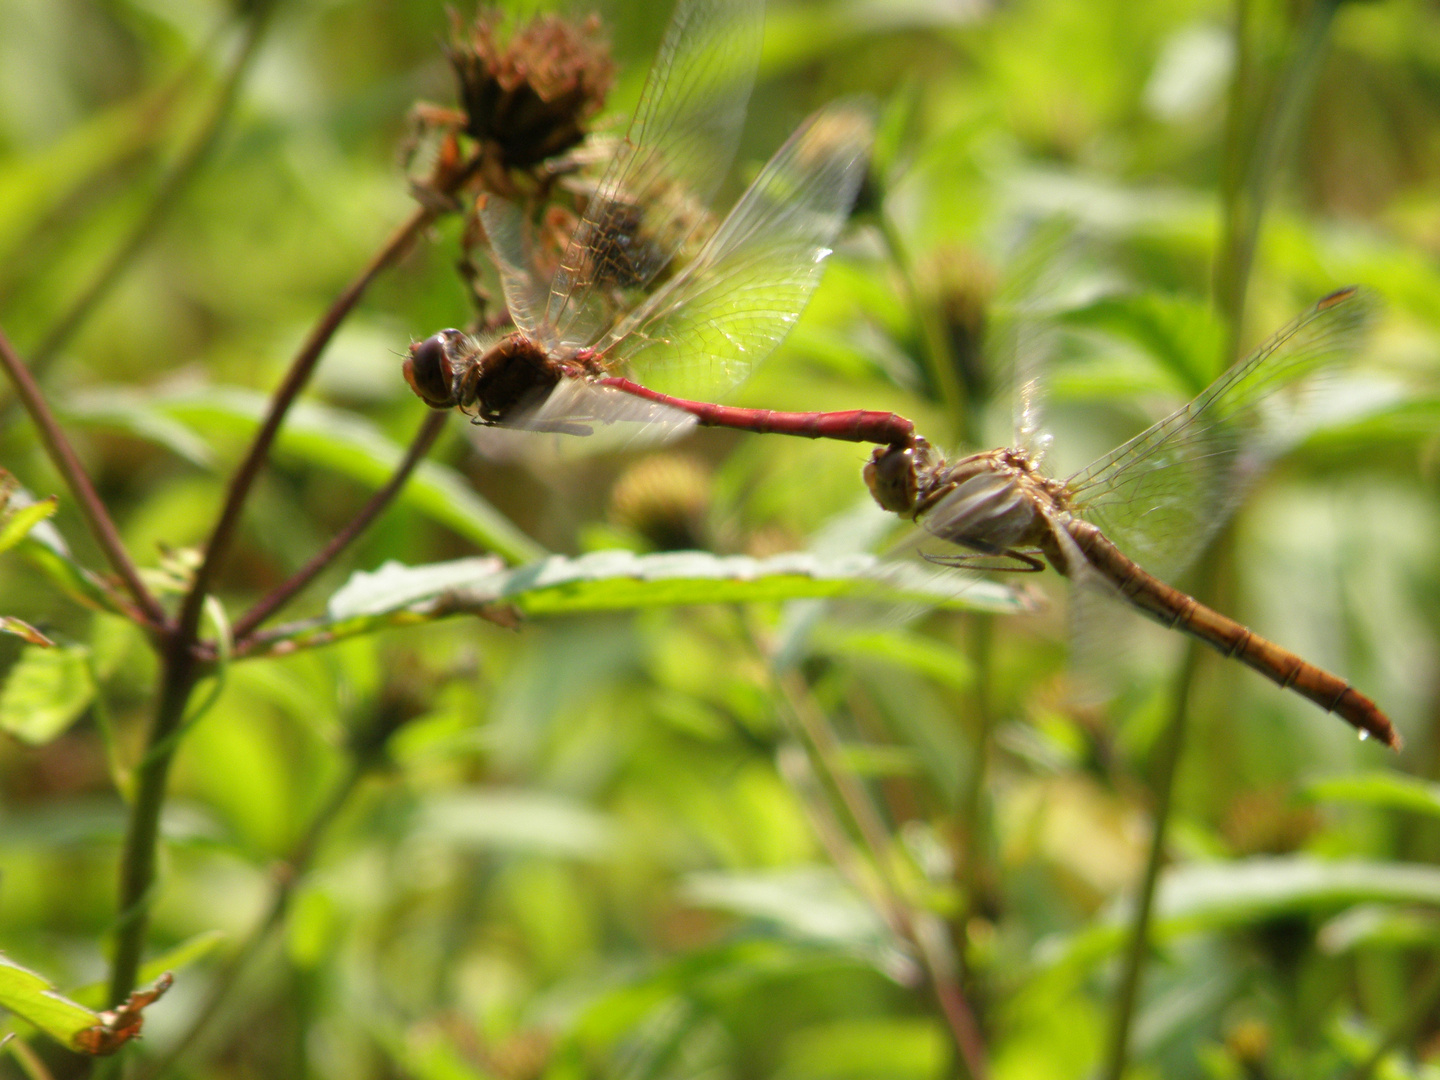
{"points": [[652, 310], [1161, 495]]}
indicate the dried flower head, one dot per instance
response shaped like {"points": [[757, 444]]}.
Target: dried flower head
{"points": [[664, 498], [532, 95]]}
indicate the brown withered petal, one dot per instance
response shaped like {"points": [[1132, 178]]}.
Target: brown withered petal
{"points": [[532, 95]]}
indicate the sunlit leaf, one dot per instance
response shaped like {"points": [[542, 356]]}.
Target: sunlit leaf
{"points": [[1213, 897], [349, 445], [31, 996], [47, 690], [1392, 790], [517, 821], [16, 526], [119, 409], [20, 628]]}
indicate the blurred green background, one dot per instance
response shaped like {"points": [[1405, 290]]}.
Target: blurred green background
{"points": [[636, 845]]}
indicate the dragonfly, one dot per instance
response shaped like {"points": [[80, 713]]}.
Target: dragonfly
{"points": [[652, 310], [1161, 496]]}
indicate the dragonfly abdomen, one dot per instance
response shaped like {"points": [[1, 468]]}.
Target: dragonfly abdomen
{"points": [[1173, 608]]}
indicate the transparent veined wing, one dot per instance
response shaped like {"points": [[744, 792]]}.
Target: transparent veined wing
{"points": [[1161, 496], [655, 194], [512, 247], [701, 333]]}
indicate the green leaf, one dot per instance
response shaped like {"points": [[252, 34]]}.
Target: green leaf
{"points": [[1209, 897], [527, 822], [17, 526], [1386, 789], [20, 628], [397, 595], [860, 1048], [353, 447], [123, 409], [46, 692], [30, 996], [904, 648], [51, 556]]}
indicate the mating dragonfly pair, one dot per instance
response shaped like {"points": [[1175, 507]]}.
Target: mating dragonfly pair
{"points": [[644, 307]]}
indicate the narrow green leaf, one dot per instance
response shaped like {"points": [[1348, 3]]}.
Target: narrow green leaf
{"points": [[353, 447], [125, 410], [397, 595], [527, 822], [1387, 789], [20, 628], [46, 692], [30, 996], [617, 580], [17, 526], [67, 575], [1216, 897]]}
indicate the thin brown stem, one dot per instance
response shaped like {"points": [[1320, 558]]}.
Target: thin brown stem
{"points": [[62, 456], [166, 197], [268, 605], [940, 971], [301, 368]]}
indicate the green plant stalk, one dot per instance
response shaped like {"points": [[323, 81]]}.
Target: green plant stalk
{"points": [[179, 673], [1172, 740], [939, 970], [938, 357], [974, 818], [288, 878], [182, 665], [1244, 201]]}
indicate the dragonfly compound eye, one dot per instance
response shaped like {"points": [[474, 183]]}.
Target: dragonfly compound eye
{"points": [[430, 371], [890, 476]]}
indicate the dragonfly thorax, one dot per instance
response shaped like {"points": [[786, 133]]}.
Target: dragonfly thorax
{"points": [[498, 381], [511, 376]]}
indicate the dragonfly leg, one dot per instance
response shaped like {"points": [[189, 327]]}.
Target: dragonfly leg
{"points": [[1022, 562]]}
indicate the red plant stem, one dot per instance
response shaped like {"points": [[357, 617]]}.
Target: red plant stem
{"points": [[855, 425], [63, 456], [430, 429], [182, 660], [301, 368]]}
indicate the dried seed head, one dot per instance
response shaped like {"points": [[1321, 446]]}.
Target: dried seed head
{"points": [[664, 498], [962, 285], [531, 95]]}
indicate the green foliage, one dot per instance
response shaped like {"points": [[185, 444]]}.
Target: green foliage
{"points": [[708, 788]]}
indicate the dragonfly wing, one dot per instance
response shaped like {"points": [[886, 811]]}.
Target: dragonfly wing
{"points": [[513, 248], [736, 300], [1161, 496], [610, 420], [656, 192]]}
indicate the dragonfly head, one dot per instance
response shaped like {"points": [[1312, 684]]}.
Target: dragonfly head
{"points": [[893, 474], [431, 366]]}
